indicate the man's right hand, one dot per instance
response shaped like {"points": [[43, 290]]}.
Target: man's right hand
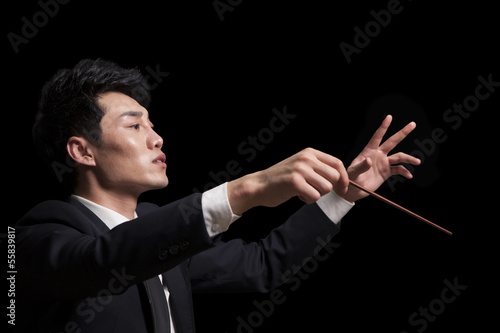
{"points": [[308, 175]]}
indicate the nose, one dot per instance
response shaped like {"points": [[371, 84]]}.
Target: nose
{"points": [[155, 140], [159, 142]]}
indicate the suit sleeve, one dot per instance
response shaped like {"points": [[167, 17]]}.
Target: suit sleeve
{"points": [[236, 266], [61, 255]]}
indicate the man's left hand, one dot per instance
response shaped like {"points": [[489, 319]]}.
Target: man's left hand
{"points": [[373, 166]]}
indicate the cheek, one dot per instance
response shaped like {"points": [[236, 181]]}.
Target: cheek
{"points": [[117, 158]]}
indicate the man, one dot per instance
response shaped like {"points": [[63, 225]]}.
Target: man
{"points": [[101, 262]]}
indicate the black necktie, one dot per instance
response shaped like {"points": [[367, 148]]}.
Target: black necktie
{"points": [[159, 305]]}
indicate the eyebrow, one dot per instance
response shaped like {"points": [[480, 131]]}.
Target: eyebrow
{"points": [[131, 114], [137, 114]]}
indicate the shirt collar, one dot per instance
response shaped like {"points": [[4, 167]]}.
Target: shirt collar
{"points": [[108, 216]]}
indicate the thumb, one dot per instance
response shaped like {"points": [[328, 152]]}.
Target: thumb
{"points": [[357, 169]]}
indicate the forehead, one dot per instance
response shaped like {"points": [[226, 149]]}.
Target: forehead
{"points": [[115, 104]]}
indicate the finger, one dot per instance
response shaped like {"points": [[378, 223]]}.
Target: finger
{"points": [[403, 158], [334, 168], [336, 179], [401, 170], [321, 184], [377, 137], [302, 198], [326, 172], [393, 141], [307, 192], [355, 170]]}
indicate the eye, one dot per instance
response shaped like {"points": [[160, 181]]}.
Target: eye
{"points": [[135, 126]]}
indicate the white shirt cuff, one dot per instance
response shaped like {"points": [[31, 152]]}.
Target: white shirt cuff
{"points": [[217, 210], [334, 206]]}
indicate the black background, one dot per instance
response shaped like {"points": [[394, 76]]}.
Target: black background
{"points": [[225, 78]]}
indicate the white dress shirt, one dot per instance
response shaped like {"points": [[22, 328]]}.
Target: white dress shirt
{"points": [[218, 215]]}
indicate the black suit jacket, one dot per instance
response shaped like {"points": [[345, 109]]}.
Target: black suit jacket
{"points": [[76, 275]]}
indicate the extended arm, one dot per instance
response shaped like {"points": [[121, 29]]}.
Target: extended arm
{"points": [[311, 174]]}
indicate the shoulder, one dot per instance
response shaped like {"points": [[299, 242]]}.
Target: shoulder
{"points": [[145, 207], [49, 209], [55, 214]]}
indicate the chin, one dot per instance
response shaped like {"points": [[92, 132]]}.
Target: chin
{"points": [[156, 183], [161, 184]]}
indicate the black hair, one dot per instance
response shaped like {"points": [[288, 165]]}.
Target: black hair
{"points": [[68, 106]]}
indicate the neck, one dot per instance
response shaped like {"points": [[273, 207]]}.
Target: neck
{"points": [[121, 202]]}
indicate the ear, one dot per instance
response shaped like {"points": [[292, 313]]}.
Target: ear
{"points": [[80, 150]]}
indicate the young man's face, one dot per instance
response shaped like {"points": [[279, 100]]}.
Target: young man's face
{"points": [[129, 156]]}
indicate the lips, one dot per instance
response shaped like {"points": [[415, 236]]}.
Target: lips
{"points": [[160, 160]]}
